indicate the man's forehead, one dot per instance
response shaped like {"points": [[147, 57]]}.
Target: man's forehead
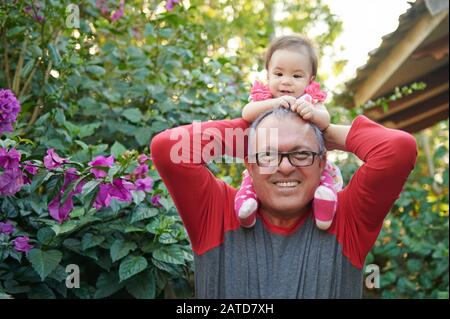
{"points": [[285, 134]]}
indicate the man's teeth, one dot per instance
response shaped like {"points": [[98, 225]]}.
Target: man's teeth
{"points": [[287, 184]]}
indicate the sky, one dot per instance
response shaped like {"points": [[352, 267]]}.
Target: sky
{"points": [[365, 22]]}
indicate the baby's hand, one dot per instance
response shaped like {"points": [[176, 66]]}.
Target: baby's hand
{"points": [[304, 107], [316, 114], [285, 101]]}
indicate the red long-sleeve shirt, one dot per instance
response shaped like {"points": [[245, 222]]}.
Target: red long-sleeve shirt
{"points": [[205, 204]]}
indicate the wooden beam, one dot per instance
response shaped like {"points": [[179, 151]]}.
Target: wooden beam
{"points": [[419, 118], [397, 56], [378, 115], [426, 123]]}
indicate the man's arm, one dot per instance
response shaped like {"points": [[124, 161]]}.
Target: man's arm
{"points": [[389, 156], [180, 156]]}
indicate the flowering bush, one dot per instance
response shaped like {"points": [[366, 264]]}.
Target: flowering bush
{"points": [[95, 216]]}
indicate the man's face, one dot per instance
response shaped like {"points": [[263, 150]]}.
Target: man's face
{"points": [[287, 190]]}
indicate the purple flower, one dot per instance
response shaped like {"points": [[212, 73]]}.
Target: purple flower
{"points": [[7, 228], [117, 15], [103, 199], [9, 159], [52, 160], [144, 184], [155, 200], [142, 159], [101, 161], [141, 171], [11, 181], [61, 212], [9, 108], [21, 244], [106, 6], [34, 13], [119, 189], [30, 168], [170, 3]]}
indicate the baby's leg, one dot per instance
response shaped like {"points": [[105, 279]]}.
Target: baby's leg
{"points": [[325, 201], [245, 203]]}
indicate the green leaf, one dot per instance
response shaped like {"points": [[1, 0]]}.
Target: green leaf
{"points": [[96, 70], [143, 135], [131, 266], [166, 238], [89, 187], [414, 265], [41, 291], [117, 149], [45, 235], [143, 212], [44, 262], [138, 196], [89, 240], [170, 255], [120, 249], [54, 54], [107, 284], [143, 285], [134, 115], [40, 178]]}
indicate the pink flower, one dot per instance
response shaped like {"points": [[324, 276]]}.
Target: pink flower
{"points": [[52, 160], [34, 13], [155, 200], [61, 212], [27, 165], [9, 109], [21, 244], [101, 161], [7, 228], [9, 159], [313, 89], [260, 92], [170, 3], [142, 159], [11, 181], [105, 7], [141, 171], [103, 198], [119, 189], [144, 184], [117, 15]]}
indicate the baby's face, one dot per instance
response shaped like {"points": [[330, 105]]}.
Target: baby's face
{"points": [[289, 73]]}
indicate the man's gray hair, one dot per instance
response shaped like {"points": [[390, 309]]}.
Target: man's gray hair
{"points": [[283, 113]]}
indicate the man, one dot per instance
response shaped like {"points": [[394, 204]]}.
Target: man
{"points": [[284, 255]]}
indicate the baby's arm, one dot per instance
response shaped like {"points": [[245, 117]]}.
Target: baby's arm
{"points": [[253, 109]]}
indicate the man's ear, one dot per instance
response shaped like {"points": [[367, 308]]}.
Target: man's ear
{"points": [[323, 162], [248, 166]]}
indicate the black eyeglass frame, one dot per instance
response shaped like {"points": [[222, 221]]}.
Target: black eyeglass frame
{"points": [[282, 155]]}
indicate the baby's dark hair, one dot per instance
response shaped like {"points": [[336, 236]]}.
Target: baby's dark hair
{"points": [[293, 42]]}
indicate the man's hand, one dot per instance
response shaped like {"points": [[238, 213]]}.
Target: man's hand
{"points": [[285, 101]]}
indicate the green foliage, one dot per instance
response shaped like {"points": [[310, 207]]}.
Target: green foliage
{"points": [[412, 249]]}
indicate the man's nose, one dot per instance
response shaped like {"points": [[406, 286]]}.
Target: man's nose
{"points": [[285, 166]]}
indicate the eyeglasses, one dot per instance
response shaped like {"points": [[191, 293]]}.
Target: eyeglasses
{"points": [[297, 159]]}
